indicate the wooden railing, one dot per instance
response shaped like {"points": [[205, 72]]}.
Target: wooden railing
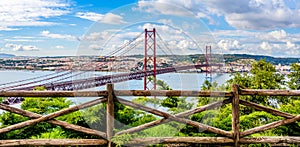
{"points": [[234, 137]]}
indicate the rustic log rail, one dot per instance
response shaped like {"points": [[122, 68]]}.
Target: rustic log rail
{"points": [[110, 96]]}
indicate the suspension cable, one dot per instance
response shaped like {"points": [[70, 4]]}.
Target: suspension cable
{"points": [[36, 81], [124, 45], [29, 79]]}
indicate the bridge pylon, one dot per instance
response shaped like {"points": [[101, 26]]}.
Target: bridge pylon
{"points": [[150, 59], [208, 59]]}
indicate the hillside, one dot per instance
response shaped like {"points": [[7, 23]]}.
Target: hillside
{"points": [[273, 60], [3, 55]]}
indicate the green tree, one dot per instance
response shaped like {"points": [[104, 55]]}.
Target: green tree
{"points": [[41, 106], [293, 105], [218, 117], [93, 117], [263, 75], [294, 77]]}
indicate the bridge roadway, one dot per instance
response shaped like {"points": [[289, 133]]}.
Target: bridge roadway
{"points": [[115, 78]]}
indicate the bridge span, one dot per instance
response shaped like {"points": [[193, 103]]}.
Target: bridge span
{"points": [[115, 78]]}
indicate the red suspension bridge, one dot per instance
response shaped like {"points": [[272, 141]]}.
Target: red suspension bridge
{"points": [[59, 82]]}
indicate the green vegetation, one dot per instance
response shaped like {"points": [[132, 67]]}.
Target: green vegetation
{"points": [[262, 76], [272, 60], [294, 77], [234, 57]]}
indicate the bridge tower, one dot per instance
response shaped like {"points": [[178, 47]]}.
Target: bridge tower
{"points": [[208, 59], [150, 59]]}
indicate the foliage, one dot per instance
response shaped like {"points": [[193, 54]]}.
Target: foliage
{"points": [[262, 76], [120, 140], [56, 133], [41, 106], [294, 77]]}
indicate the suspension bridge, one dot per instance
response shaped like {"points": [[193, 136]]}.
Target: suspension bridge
{"points": [[150, 38]]}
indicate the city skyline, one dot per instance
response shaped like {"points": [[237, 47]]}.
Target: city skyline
{"points": [[61, 27]]}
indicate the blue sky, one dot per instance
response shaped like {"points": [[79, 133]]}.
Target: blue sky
{"points": [[69, 27]]}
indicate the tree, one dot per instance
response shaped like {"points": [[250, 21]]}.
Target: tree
{"points": [[93, 117], [41, 106], [218, 117], [263, 75], [293, 104], [294, 77]]}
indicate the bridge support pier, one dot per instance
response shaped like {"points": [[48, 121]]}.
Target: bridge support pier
{"points": [[150, 59], [208, 59]]}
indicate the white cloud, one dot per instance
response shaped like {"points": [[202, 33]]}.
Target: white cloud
{"points": [[90, 16], [279, 49], [163, 7], [23, 40], [277, 35], [185, 44], [233, 33], [290, 45], [99, 36], [266, 46], [59, 47], [228, 45], [95, 47], [57, 36], [243, 14], [18, 13], [108, 18], [96, 36], [255, 14], [5, 28], [166, 22], [2, 49], [178, 8], [19, 47]]}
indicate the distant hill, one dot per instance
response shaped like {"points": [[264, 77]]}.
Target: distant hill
{"points": [[235, 57], [273, 60], [3, 55]]}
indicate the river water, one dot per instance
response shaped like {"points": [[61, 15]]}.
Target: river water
{"points": [[177, 81]]}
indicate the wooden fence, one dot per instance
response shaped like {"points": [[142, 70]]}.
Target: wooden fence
{"points": [[234, 137]]}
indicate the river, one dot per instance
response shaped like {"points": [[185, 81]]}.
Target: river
{"points": [[177, 81]]}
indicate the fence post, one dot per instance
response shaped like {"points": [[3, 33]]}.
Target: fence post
{"points": [[110, 113], [236, 115]]}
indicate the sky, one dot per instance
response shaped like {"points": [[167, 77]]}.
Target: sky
{"points": [[98, 27]]}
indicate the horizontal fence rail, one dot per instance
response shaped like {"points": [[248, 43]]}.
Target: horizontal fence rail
{"points": [[235, 137]]}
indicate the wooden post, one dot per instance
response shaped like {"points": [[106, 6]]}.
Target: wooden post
{"points": [[235, 116], [110, 113]]}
